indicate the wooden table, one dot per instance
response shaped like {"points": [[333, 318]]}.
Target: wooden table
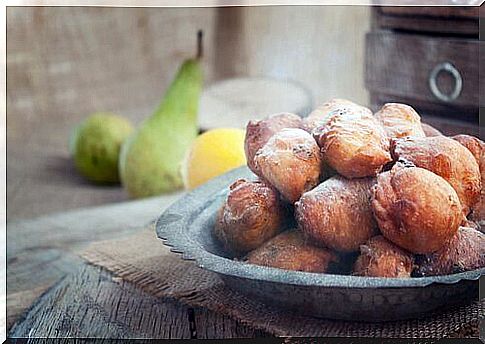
{"points": [[54, 293]]}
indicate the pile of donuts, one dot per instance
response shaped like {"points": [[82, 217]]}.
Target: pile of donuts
{"points": [[346, 191]]}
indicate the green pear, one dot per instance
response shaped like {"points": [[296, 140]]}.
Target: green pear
{"points": [[150, 159], [95, 146]]}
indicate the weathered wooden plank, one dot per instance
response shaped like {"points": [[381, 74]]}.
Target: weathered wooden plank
{"points": [[30, 274], [70, 230], [91, 302], [42, 251], [211, 325]]}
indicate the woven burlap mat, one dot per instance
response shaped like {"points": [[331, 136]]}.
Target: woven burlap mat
{"points": [[143, 260]]}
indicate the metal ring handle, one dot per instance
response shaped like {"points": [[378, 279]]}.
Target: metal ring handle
{"points": [[448, 68]]}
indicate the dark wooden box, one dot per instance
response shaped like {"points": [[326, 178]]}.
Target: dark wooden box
{"points": [[428, 57]]}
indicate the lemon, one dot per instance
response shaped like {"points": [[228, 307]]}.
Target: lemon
{"points": [[213, 153]]}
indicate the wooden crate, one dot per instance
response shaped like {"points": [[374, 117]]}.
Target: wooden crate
{"points": [[428, 57]]}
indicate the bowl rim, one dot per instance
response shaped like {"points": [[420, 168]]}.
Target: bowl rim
{"points": [[171, 228]]}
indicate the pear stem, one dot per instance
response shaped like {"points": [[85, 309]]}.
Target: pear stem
{"points": [[200, 35]]}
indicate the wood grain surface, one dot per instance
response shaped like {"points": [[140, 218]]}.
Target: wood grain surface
{"points": [[92, 303], [42, 251], [78, 299]]}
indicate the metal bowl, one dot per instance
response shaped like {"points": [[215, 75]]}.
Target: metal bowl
{"points": [[187, 227]]}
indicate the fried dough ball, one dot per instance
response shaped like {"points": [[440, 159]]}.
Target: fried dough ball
{"points": [[400, 120], [430, 131], [337, 213], [319, 116], [291, 251], [259, 132], [291, 162], [471, 224], [381, 258], [353, 142], [477, 148], [415, 208], [252, 214], [464, 252], [448, 159]]}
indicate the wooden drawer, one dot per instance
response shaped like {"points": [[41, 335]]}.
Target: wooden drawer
{"points": [[432, 12], [425, 70], [450, 20]]}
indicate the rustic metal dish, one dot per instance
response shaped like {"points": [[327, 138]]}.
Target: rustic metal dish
{"points": [[187, 227]]}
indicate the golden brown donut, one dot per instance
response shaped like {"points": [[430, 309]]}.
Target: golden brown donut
{"points": [[353, 142], [259, 132], [477, 148], [319, 116], [337, 213], [291, 162], [448, 159], [381, 258], [415, 208], [464, 252], [291, 251], [252, 214], [400, 120], [430, 131]]}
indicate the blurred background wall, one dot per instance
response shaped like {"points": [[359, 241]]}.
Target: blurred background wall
{"points": [[66, 62]]}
